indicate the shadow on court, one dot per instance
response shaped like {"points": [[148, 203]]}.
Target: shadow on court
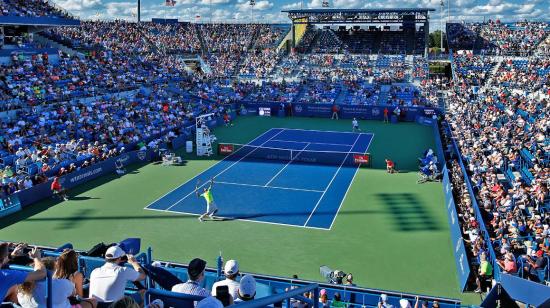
{"points": [[407, 212]]}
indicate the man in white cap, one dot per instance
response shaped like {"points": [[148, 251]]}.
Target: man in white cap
{"points": [[383, 303], [231, 271], [247, 289], [107, 283]]}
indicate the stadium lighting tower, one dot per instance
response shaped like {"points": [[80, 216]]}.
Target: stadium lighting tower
{"points": [[139, 11], [441, 24], [252, 3]]}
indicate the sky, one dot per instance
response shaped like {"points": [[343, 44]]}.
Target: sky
{"points": [[270, 10]]}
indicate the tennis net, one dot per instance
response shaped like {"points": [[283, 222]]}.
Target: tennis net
{"points": [[240, 151]]}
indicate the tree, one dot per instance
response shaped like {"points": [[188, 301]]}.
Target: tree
{"points": [[435, 39]]}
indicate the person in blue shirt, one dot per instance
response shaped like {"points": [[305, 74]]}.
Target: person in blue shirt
{"points": [[9, 279]]}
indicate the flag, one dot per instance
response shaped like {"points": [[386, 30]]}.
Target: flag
{"points": [[170, 2]]}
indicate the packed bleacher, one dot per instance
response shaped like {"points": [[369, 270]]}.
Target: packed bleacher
{"points": [[31, 8], [500, 130]]}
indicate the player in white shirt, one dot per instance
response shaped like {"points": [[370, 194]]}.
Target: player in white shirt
{"points": [[355, 125]]}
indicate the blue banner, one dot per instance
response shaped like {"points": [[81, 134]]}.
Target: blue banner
{"points": [[461, 259], [365, 112], [42, 191], [9, 205]]}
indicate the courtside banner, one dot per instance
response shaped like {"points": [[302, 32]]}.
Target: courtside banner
{"points": [[226, 149], [361, 159], [461, 259]]}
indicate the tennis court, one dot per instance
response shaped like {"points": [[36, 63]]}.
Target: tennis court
{"points": [[289, 177]]}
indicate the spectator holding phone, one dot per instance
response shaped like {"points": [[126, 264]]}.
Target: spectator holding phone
{"points": [[231, 271], [9, 279], [107, 283]]}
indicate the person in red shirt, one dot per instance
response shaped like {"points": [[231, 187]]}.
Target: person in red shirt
{"points": [[390, 166], [335, 110], [227, 119], [58, 190], [386, 119]]}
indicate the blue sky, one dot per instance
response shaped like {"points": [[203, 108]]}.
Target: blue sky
{"points": [[270, 10]]}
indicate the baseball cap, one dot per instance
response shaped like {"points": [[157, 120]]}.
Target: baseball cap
{"points": [[210, 302], [403, 303], [196, 266], [231, 267], [114, 252], [247, 288]]}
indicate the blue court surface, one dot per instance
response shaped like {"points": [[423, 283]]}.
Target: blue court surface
{"points": [[285, 176]]}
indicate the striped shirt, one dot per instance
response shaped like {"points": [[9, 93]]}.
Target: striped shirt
{"points": [[191, 288]]}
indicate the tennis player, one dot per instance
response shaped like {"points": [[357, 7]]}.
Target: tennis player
{"points": [[355, 125], [211, 207]]}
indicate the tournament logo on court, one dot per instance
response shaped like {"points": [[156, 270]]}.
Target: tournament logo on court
{"points": [[375, 111]]}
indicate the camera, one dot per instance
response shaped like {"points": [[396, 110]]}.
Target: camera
{"points": [[332, 276]]}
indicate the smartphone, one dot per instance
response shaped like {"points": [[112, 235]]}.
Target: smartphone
{"points": [[222, 294]]}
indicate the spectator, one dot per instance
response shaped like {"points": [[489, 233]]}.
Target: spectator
{"points": [[66, 269], [11, 278], [383, 302], [533, 266], [108, 282], [209, 302], [125, 302], [337, 301], [33, 293], [247, 289], [195, 271], [485, 272], [231, 272]]}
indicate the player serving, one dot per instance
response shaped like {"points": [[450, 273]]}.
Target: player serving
{"points": [[211, 207]]}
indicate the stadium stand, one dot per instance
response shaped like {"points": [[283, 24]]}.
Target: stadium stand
{"points": [[76, 110]]}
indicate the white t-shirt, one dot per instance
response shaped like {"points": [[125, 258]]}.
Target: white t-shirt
{"points": [[61, 290], [107, 283], [232, 285]]}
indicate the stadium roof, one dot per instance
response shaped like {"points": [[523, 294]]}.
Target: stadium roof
{"points": [[333, 11], [326, 16]]}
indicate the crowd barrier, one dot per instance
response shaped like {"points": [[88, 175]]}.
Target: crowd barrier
{"points": [[43, 191], [363, 112], [459, 250]]}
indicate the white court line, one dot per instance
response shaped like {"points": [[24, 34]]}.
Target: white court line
{"points": [[233, 164], [323, 131], [330, 183], [349, 186], [274, 187], [225, 158], [319, 143], [240, 219], [291, 160]]}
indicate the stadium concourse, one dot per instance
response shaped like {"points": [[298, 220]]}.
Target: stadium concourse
{"points": [[98, 105]]}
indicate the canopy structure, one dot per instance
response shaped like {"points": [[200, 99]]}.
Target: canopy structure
{"points": [[407, 18]]}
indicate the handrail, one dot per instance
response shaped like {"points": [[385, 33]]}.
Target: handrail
{"points": [[277, 298]]}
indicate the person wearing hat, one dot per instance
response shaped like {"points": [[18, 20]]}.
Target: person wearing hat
{"points": [[231, 271], [107, 283], [58, 190], [534, 263], [247, 289], [209, 302], [383, 302], [193, 286]]}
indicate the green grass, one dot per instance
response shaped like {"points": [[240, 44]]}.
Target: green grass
{"points": [[390, 233]]}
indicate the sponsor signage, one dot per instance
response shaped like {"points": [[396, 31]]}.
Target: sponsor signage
{"points": [[226, 149]]}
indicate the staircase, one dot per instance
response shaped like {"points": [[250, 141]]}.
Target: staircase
{"points": [[204, 48], [384, 94], [341, 98], [492, 74]]}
